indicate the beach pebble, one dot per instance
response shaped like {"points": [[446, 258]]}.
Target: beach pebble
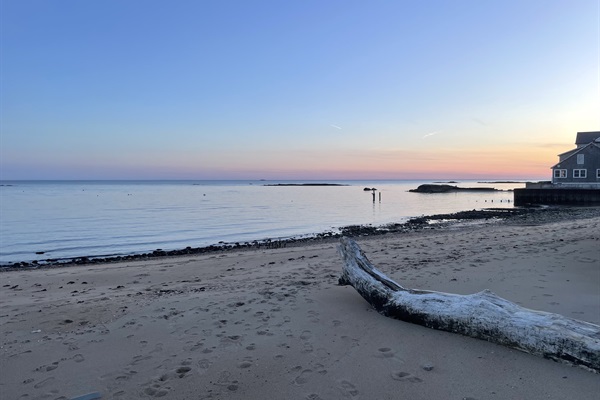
{"points": [[428, 367]]}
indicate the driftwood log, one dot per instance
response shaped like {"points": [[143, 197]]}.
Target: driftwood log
{"points": [[481, 315]]}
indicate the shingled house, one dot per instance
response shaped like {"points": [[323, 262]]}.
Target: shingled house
{"points": [[575, 179], [580, 167]]}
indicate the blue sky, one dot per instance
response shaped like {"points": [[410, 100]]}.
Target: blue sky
{"points": [[299, 89]]}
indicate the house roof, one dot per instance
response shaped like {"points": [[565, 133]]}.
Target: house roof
{"points": [[575, 151], [570, 151], [587, 137]]}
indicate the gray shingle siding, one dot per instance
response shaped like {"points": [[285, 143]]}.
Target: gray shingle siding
{"points": [[583, 138], [570, 168]]}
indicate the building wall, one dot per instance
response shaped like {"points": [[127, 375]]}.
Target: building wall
{"points": [[565, 196], [570, 170]]}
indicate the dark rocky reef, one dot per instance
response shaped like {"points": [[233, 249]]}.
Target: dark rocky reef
{"points": [[431, 188]]}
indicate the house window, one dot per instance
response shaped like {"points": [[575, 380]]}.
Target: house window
{"points": [[560, 173], [598, 174], [580, 159], [579, 173]]}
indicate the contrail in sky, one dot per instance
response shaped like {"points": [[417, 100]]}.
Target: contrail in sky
{"points": [[431, 134], [335, 126]]}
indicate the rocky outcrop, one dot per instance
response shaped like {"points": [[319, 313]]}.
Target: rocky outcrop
{"points": [[431, 188]]}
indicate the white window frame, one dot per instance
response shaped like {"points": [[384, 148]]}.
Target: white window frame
{"points": [[580, 173], [562, 173], [580, 159]]}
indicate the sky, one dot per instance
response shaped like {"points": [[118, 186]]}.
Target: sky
{"points": [[398, 89]]}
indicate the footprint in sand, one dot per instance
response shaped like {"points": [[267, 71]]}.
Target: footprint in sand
{"points": [[223, 380], [348, 389], [247, 363], [320, 368], [157, 349], [197, 346], [405, 376], [586, 259], [305, 335], [181, 371], [156, 391], [44, 382], [384, 352], [231, 340], [158, 388], [303, 377], [307, 348], [313, 316], [122, 378], [139, 359]]}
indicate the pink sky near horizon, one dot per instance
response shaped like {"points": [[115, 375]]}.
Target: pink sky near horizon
{"points": [[476, 163]]}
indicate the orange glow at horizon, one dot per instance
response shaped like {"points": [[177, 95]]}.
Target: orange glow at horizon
{"points": [[528, 161]]}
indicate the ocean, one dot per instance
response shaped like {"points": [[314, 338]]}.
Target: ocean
{"points": [[42, 220]]}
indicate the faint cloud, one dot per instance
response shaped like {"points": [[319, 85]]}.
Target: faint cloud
{"points": [[431, 134], [335, 126], [565, 146], [480, 122]]}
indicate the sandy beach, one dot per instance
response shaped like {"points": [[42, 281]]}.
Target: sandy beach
{"points": [[275, 324]]}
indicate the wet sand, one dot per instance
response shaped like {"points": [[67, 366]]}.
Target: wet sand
{"points": [[273, 323]]}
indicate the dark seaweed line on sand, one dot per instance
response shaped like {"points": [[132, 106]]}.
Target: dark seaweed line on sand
{"points": [[517, 216]]}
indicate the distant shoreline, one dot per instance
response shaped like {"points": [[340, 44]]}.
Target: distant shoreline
{"points": [[502, 181], [525, 215], [305, 184]]}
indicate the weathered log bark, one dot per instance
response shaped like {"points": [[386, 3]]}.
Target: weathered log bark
{"points": [[481, 315]]}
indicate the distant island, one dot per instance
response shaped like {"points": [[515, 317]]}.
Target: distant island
{"points": [[430, 188], [502, 182], [305, 184]]}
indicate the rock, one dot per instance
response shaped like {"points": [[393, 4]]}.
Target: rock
{"points": [[428, 367], [430, 188]]}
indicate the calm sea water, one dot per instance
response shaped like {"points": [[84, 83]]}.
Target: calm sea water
{"points": [[100, 218]]}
